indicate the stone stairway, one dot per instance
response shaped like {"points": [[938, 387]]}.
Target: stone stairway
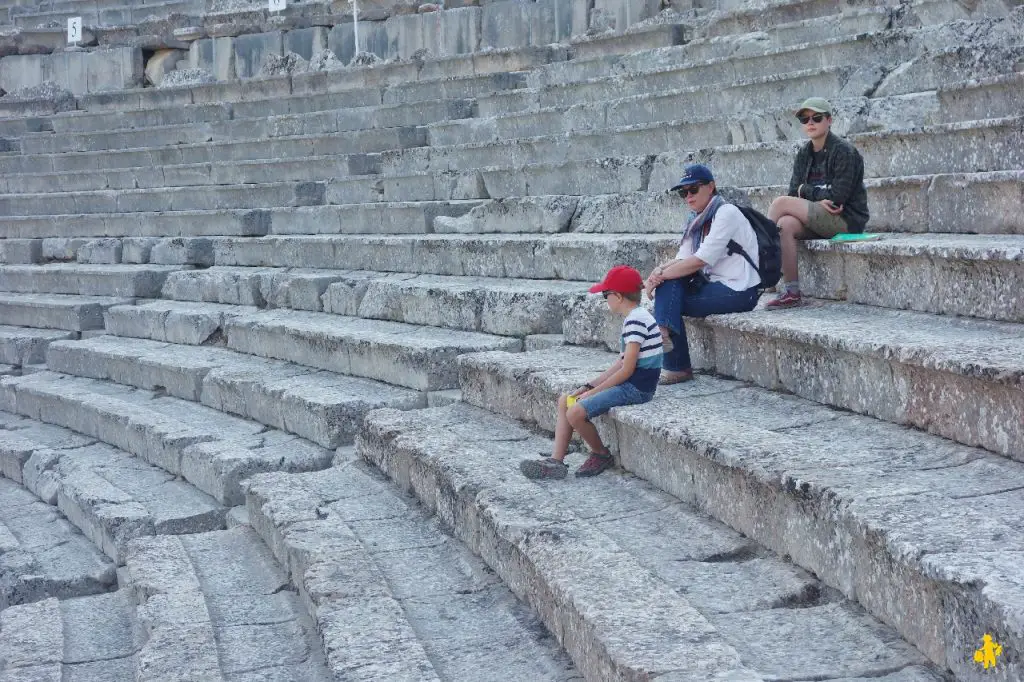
{"points": [[227, 282]]}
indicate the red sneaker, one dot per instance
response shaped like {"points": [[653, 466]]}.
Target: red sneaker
{"points": [[594, 465], [786, 299]]}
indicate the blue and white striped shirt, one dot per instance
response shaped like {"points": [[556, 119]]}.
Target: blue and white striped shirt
{"points": [[640, 327]]}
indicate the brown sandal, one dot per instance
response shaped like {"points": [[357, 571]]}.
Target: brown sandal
{"points": [[668, 378]]}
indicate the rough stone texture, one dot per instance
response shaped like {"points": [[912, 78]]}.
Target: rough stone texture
{"points": [[92, 280], [32, 639], [462, 462], [112, 497], [72, 313], [100, 251], [326, 408], [850, 498], [209, 449], [26, 346], [947, 274], [184, 77], [532, 214], [391, 594], [581, 257], [41, 554], [490, 305], [79, 72]]}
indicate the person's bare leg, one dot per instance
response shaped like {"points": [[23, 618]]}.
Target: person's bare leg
{"points": [[791, 215], [563, 431], [790, 229], [577, 417]]}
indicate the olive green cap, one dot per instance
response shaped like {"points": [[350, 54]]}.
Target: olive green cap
{"points": [[819, 104]]}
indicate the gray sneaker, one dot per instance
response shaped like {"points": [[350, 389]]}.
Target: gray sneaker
{"points": [[543, 468]]}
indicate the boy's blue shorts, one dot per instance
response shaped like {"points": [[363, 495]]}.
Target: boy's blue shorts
{"points": [[616, 396]]}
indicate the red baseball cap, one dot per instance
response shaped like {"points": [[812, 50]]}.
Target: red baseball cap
{"points": [[621, 279]]}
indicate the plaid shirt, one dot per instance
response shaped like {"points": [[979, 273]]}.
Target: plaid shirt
{"points": [[844, 179]]}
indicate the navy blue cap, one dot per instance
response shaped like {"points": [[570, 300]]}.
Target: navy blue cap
{"points": [[694, 175]]}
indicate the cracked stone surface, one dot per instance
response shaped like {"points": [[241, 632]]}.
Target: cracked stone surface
{"points": [[750, 610], [391, 593], [885, 514]]}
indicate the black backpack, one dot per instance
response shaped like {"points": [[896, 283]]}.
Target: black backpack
{"points": [[769, 247]]}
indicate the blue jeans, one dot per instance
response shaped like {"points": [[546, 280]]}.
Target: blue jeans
{"points": [[616, 396], [672, 301]]}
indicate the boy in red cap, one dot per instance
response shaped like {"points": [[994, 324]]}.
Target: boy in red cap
{"points": [[631, 380]]}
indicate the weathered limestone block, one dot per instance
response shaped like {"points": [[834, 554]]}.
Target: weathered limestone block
{"points": [[526, 214]]}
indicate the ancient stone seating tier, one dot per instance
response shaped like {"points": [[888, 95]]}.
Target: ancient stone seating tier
{"points": [[272, 349]]}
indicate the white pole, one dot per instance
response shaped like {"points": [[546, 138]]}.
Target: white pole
{"points": [[355, 22]]}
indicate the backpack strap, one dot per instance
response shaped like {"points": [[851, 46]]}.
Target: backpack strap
{"points": [[733, 248]]}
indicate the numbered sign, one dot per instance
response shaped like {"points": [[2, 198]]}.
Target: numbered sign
{"points": [[75, 30], [278, 5]]}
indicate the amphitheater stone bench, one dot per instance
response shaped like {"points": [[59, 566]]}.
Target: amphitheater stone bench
{"points": [[848, 497]]}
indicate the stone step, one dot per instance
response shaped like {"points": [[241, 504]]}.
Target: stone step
{"points": [[687, 65], [90, 280], [230, 197], [44, 311], [421, 358], [216, 606], [967, 100], [83, 638], [471, 143], [694, 599], [933, 203], [392, 596], [944, 148], [41, 554], [582, 257], [111, 496], [211, 450], [65, 229], [850, 498], [323, 407], [292, 115], [509, 307], [221, 140], [59, 229], [27, 345], [290, 147], [959, 378], [970, 275]]}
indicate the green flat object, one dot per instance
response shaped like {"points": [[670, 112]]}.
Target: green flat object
{"points": [[856, 237]]}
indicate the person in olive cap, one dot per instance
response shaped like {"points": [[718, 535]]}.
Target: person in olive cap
{"points": [[826, 194]]}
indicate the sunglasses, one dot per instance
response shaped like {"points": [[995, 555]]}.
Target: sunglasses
{"points": [[606, 294], [817, 118], [692, 190]]}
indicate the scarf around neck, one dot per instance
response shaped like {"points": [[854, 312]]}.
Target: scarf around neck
{"points": [[695, 229]]}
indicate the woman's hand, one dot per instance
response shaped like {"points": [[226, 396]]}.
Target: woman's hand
{"points": [[832, 208], [654, 280]]}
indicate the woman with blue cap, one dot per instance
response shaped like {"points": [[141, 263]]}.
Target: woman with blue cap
{"points": [[704, 278]]}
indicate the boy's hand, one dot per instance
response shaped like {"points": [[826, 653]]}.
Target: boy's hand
{"points": [[579, 391]]}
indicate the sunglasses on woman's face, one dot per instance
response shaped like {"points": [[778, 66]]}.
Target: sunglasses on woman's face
{"points": [[817, 118], [692, 190]]}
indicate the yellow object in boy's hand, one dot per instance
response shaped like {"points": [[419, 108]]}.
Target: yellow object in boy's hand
{"points": [[570, 400]]}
